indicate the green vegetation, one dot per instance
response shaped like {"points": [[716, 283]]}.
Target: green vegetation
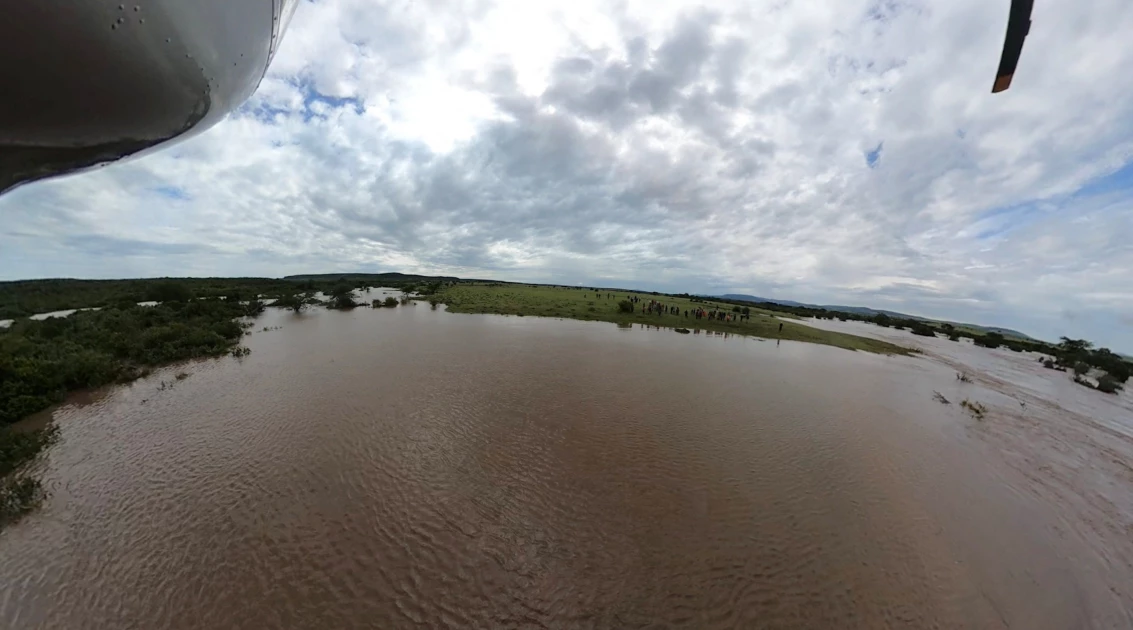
{"points": [[40, 361], [609, 305], [28, 297], [1108, 384], [295, 301], [342, 297], [20, 493]]}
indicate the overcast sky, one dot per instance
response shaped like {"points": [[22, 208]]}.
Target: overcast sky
{"points": [[837, 151]]}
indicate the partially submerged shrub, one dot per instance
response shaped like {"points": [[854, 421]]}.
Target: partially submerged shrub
{"points": [[923, 330], [977, 410], [18, 496], [1108, 384]]}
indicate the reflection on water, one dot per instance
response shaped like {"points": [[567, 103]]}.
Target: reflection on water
{"points": [[408, 467]]}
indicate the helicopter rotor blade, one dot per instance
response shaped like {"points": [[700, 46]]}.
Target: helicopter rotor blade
{"points": [[1018, 25]]}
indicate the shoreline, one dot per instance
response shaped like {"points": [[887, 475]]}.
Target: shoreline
{"points": [[587, 305]]}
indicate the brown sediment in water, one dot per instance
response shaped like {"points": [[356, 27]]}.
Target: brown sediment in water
{"points": [[404, 467]]}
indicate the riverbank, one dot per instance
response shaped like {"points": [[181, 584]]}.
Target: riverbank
{"points": [[588, 305], [42, 360], [376, 448]]}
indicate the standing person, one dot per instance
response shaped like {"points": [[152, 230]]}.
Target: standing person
{"points": [[780, 326]]}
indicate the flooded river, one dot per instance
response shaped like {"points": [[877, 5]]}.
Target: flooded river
{"points": [[404, 468]]}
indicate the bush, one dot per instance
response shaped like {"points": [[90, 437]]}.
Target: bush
{"points": [[342, 301], [18, 496], [990, 340], [294, 301], [18, 447], [923, 330], [977, 410], [625, 306], [1108, 384], [1080, 368], [390, 302]]}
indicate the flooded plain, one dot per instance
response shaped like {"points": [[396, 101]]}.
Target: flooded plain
{"points": [[402, 468]]}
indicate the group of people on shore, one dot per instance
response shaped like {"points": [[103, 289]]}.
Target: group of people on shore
{"points": [[655, 307]]}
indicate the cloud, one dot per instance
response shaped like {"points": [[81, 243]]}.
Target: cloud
{"points": [[677, 145]]}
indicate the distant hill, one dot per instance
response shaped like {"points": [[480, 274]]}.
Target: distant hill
{"points": [[392, 276], [752, 298], [861, 310]]}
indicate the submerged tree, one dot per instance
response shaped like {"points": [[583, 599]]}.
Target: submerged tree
{"points": [[295, 301], [342, 297]]}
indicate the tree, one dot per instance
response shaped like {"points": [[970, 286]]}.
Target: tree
{"points": [[1074, 346], [747, 310], [990, 340], [295, 301], [922, 329], [342, 297], [253, 308], [1108, 384]]}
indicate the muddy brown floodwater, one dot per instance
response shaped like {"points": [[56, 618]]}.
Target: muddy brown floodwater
{"points": [[404, 468]]}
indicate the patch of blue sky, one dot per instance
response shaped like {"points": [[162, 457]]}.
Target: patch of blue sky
{"points": [[873, 157], [1087, 199], [313, 100], [175, 193], [1121, 179]]}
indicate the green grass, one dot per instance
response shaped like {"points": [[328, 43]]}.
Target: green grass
{"points": [[584, 304]]}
